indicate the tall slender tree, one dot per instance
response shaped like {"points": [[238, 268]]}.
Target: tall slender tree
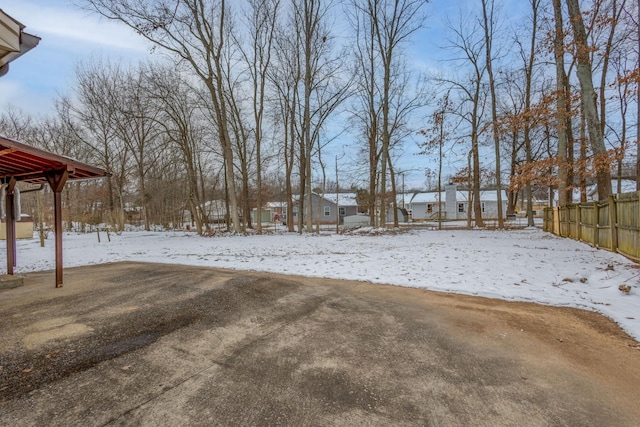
{"points": [[589, 103], [385, 26], [194, 32], [488, 25]]}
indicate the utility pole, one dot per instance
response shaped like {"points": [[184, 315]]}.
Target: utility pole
{"points": [[337, 199], [402, 190]]}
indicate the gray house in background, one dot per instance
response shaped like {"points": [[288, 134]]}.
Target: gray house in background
{"points": [[326, 208], [454, 204]]}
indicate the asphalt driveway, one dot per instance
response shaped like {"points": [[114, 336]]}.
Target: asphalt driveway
{"points": [[149, 344]]}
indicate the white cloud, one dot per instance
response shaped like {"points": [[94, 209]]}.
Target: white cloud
{"points": [[68, 35], [72, 28], [18, 95]]}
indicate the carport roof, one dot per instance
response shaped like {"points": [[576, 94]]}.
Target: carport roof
{"points": [[32, 165], [21, 162]]}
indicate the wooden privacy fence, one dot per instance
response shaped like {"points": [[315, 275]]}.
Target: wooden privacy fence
{"points": [[612, 224]]}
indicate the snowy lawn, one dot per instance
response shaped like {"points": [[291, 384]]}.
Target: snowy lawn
{"points": [[522, 265]]}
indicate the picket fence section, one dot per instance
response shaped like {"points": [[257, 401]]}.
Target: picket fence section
{"points": [[612, 224]]}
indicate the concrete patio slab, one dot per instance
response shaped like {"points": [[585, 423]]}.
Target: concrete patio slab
{"points": [[148, 344]]}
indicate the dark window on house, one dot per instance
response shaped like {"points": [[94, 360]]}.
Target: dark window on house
{"points": [[295, 211], [343, 212], [461, 207], [429, 208], [482, 206]]}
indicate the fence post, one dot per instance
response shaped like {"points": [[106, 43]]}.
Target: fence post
{"points": [[613, 223], [578, 222], [596, 222], [637, 232]]}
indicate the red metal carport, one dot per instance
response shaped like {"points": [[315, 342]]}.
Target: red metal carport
{"points": [[20, 162]]}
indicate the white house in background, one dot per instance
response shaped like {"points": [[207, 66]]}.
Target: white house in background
{"points": [[454, 204], [425, 206], [627, 186]]}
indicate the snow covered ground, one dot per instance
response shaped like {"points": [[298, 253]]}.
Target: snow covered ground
{"points": [[523, 265]]}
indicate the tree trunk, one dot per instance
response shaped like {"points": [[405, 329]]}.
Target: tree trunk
{"points": [[561, 107], [475, 155], [394, 200], [638, 107], [588, 95], [488, 40]]}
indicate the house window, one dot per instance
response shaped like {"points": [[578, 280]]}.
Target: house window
{"points": [[295, 211], [429, 208], [482, 206], [327, 210], [461, 207], [343, 212]]}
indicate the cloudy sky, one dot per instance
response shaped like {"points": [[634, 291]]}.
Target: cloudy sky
{"points": [[70, 35]]}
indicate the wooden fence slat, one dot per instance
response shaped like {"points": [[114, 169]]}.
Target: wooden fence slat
{"points": [[612, 224], [579, 222], [596, 223]]}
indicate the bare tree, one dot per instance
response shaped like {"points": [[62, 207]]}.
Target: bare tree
{"points": [[194, 32], [488, 25], [15, 123], [239, 124], [562, 110], [637, 82], [472, 93], [92, 114], [136, 124], [181, 118], [366, 111], [437, 135], [588, 96], [528, 59], [286, 78], [386, 25], [318, 69], [262, 19], [310, 88]]}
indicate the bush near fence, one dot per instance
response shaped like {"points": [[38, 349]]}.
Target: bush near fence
{"points": [[612, 224]]}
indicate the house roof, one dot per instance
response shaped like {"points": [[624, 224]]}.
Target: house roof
{"points": [[275, 205], [430, 197], [32, 165], [628, 186], [485, 195], [13, 41], [341, 199], [461, 196]]}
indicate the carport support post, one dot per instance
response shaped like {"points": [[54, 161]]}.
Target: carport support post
{"points": [[11, 226], [57, 180]]}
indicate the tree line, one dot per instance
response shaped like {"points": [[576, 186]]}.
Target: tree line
{"points": [[555, 93], [243, 105]]}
